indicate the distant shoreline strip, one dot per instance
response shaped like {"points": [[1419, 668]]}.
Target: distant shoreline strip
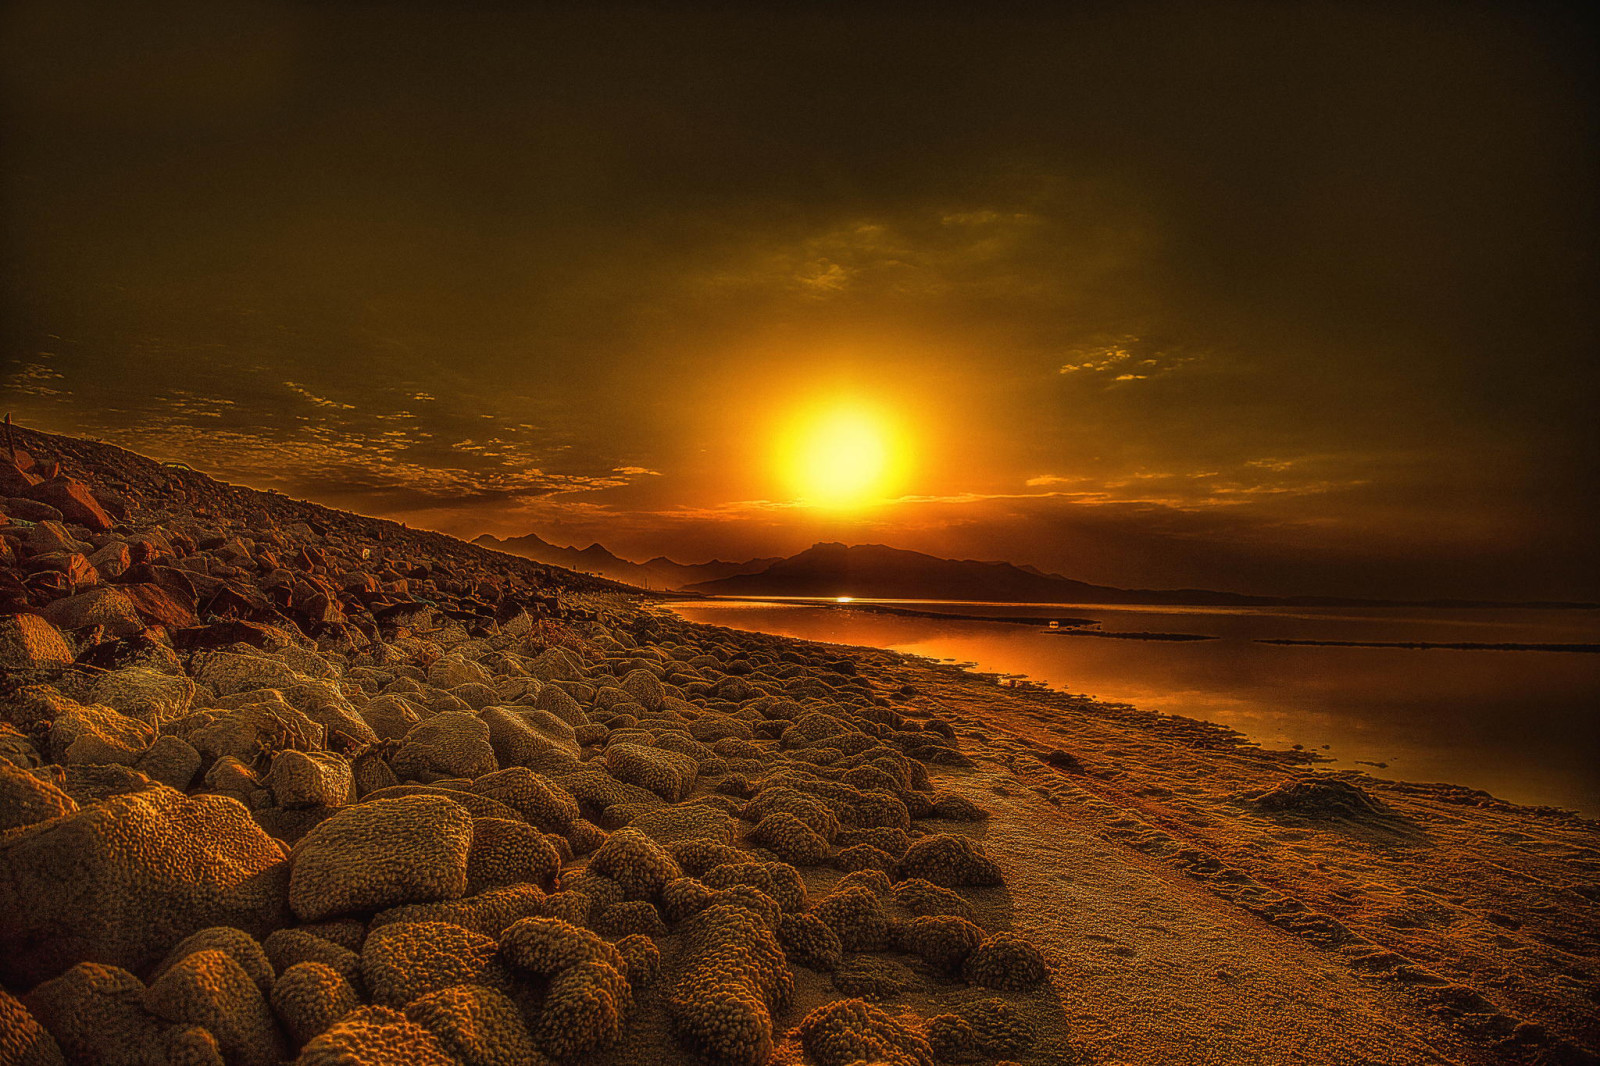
{"points": [[1431, 645]]}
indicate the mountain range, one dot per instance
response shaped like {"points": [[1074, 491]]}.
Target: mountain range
{"points": [[657, 573], [875, 571]]}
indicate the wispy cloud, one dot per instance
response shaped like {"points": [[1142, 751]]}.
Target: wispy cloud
{"points": [[1128, 359], [925, 253], [312, 397], [35, 379]]}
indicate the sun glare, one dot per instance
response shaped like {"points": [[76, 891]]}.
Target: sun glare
{"points": [[843, 456]]}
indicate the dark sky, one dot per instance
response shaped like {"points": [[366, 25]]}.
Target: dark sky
{"points": [[1273, 297]]}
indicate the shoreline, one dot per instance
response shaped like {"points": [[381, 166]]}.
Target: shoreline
{"points": [[1079, 627], [1259, 829], [1184, 724], [1427, 645], [1076, 627]]}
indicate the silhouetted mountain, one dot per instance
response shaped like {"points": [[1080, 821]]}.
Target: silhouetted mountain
{"points": [[879, 572], [658, 573], [874, 571]]}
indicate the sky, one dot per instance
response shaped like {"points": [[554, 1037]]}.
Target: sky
{"points": [[1276, 298]]}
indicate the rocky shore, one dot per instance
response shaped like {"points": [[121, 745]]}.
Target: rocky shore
{"points": [[279, 783]]}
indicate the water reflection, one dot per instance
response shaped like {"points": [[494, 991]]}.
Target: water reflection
{"points": [[1523, 725]]}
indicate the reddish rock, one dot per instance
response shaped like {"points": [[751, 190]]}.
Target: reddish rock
{"points": [[31, 510], [112, 560], [178, 583], [74, 566], [75, 502], [49, 536], [159, 607], [15, 481], [147, 549], [225, 634], [26, 641], [237, 600], [46, 586]]}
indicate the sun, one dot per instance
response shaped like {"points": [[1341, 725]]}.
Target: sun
{"points": [[842, 455]]}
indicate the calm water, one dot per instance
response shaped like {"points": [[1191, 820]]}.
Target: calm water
{"points": [[1524, 725]]}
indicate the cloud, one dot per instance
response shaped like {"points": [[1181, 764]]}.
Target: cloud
{"points": [[319, 401], [35, 379], [1128, 360]]}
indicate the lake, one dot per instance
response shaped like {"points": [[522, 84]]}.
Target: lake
{"points": [[1523, 725]]}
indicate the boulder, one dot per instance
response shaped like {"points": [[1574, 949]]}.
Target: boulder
{"points": [[109, 608], [160, 607], [246, 731], [97, 735], [112, 560], [123, 881], [390, 716], [75, 502], [453, 744], [210, 989], [229, 672], [28, 641], [26, 800], [669, 774], [381, 853], [452, 670], [145, 693], [645, 688], [48, 537], [170, 760], [310, 779], [96, 1014]]}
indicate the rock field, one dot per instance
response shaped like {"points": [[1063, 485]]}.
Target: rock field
{"points": [[284, 784]]}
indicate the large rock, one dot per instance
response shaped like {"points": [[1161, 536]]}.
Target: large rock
{"points": [[557, 664], [645, 688], [390, 716], [160, 607], [48, 537], [381, 853], [96, 1014], [229, 672], [97, 735], [669, 774], [23, 1041], [108, 607], [170, 760], [123, 881], [28, 641], [453, 744], [144, 693], [556, 701], [452, 670], [246, 731], [521, 737], [212, 990], [75, 502], [310, 779], [26, 800]]}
